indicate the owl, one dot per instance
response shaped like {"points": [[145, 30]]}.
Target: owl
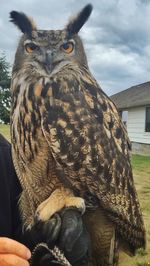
{"points": [[69, 145]]}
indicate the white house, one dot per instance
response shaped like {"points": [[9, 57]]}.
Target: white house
{"points": [[134, 106]]}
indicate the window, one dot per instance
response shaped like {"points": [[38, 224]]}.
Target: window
{"points": [[125, 118], [147, 120], [120, 113]]}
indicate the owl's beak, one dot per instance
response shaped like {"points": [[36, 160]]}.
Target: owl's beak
{"points": [[48, 62]]}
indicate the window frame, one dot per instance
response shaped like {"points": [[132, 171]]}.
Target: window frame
{"points": [[147, 127]]}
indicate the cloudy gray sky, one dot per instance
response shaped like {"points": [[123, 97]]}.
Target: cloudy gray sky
{"points": [[116, 37]]}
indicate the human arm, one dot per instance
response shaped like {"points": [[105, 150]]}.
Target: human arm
{"points": [[9, 194], [11, 252]]}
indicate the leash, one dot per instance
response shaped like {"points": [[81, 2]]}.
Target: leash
{"points": [[55, 252]]}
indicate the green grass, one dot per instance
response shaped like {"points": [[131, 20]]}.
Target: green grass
{"points": [[141, 170], [4, 130], [141, 163]]}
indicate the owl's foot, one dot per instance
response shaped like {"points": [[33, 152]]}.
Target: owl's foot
{"points": [[59, 199]]}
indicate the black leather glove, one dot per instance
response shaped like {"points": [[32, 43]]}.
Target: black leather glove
{"points": [[74, 239], [65, 230]]}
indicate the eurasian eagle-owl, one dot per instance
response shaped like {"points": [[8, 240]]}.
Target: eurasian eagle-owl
{"points": [[69, 145]]}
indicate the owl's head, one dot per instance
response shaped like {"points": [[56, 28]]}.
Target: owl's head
{"points": [[48, 51]]}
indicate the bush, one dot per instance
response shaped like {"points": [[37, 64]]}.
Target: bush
{"points": [[5, 95]]}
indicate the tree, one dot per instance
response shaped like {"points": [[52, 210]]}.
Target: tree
{"points": [[5, 95]]}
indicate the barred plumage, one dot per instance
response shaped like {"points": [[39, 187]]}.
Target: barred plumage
{"points": [[68, 140]]}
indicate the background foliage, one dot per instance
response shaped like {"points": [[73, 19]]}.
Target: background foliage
{"points": [[5, 96]]}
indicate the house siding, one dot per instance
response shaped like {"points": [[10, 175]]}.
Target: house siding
{"points": [[136, 125]]}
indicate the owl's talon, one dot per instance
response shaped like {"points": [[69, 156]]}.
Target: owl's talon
{"points": [[37, 217], [81, 210], [76, 202]]}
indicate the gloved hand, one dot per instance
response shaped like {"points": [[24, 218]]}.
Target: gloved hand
{"points": [[65, 230]]}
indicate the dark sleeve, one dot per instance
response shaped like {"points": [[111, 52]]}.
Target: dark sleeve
{"points": [[9, 193]]}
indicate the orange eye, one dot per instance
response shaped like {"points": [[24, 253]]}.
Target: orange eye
{"points": [[30, 47], [67, 47]]}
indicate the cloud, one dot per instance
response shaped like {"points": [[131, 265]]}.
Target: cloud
{"points": [[116, 37]]}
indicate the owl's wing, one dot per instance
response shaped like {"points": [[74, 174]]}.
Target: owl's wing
{"points": [[91, 149]]}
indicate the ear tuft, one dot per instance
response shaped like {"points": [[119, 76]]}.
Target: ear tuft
{"points": [[24, 23], [77, 22]]}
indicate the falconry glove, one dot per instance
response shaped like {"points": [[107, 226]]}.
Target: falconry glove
{"points": [[63, 240]]}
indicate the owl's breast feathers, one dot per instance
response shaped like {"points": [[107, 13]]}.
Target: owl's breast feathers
{"points": [[84, 133]]}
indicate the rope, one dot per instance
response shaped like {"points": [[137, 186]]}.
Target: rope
{"points": [[56, 252]]}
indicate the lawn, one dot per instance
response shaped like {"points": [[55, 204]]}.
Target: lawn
{"points": [[4, 130], [141, 170]]}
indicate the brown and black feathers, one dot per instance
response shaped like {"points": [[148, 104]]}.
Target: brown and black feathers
{"points": [[67, 132], [24, 23], [90, 148], [76, 23]]}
